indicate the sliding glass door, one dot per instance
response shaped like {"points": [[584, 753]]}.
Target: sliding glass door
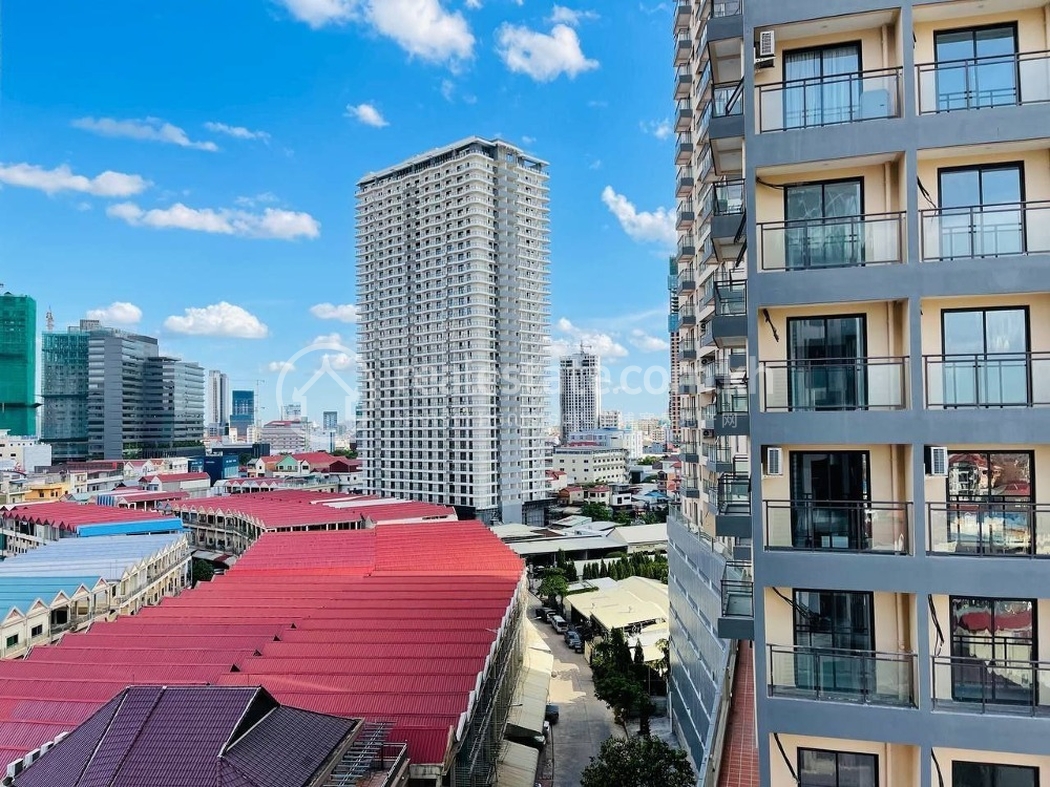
{"points": [[824, 224], [821, 86], [986, 362], [827, 358], [982, 211], [993, 646], [829, 500], [834, 639], [976, 67]]}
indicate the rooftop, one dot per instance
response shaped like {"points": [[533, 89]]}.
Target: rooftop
{"points": [[396, 624], [102, 556], [74, 516]]}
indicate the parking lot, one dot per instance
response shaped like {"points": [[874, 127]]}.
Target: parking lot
{"points": [[584, 721]]}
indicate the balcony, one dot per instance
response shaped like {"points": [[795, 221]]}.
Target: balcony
{"points": [[684, 116], [983, 82], [683, 15], [689, 418], [691, 489], [976, 684], [738, 603], [837, 526], [721, 459], [838, 675], [999, 528], [689, 388], [733, 505], [729, 324], [683, 86], [837, 242], [728, 208], [834, 384], [686, 280], [683, 50], [685, 182], [687, 316], [830, 101], [687, 350], [686, 216], [686, 249], [982, 231], [723, 8], [731, 411], [683, 152], [982, 380], [690, 453]]}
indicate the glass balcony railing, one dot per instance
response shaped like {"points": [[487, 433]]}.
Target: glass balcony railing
{"points": [[837, 242], [727, 100], [837, 526], [689, 418], [984, 684], [731, 298], [687, 350], [987, 380], [985, 231], [842, 675], [733, 399], [734, 493], [834, 384], [687, 316], [978, 83], [729, 197], [829, 100], [999, 527], [725, 8], [738, 590]]}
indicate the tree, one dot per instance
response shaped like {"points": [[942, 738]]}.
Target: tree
{"points": [[553, 586], [203, 571], [596, 511], [638, 762]]}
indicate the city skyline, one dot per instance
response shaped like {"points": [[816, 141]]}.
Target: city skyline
{"points": [[232, 157]]}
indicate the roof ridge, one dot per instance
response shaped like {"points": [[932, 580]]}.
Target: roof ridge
{"points": [[101, 738], [156, 700]]}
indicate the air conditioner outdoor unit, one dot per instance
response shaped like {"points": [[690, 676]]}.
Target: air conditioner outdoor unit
{"points": [[766, 50], [14, 768], [936, 460], [774, 460], [30, 758]]}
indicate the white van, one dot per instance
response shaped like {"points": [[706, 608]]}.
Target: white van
{"points": [[559, 624]]}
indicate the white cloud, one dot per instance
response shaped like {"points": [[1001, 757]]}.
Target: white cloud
{"points": [[344, 312], [423, 28], [340, 361], [474, 5], [568, 16], [318, 13], [542, 56], [266, 197], [647, 343], [596, 164], [655, 227], [61, 178], [334, 339], [596, 104], [237, 132], [218, 319], [149, 129], [367, 114], [272, 223], [528, 140], [280, 366], [117, 313], [571, 337], [448, 89], [661, 129]]}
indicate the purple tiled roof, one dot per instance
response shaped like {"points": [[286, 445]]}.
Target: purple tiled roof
{"points": [[191, 736]]}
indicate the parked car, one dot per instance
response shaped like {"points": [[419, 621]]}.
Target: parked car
{"points": [[551, 714], [541, 613], [549, 614], [569, 633], [578, 646], [559, 624]]}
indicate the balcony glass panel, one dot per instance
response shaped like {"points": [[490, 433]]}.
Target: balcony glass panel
{"points": [[728, 100], [985, 231], [737, 590], [967, 380], [834, 384], [725, 8], [729, 197], [831, 242], [732, 400], [829, 100], [730, 298], [837, 525], [734, 493], [992, 81], [1002, 528], [844, 675]]}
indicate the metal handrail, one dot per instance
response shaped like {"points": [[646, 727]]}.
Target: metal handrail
{"points": [[873, 375], [979, 231], [997, 526], [972, 95], [981, 380], [872, 677], [993, 683], [866, 527], [850, 111], [841, 241]]}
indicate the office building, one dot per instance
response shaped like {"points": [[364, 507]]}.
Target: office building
{"points": [[580, 394], [286, 436], [590, 463], [18, 364], [626, 439], [109, 394], [293, 411], [218, 401], [610, 419], [882, 251], [242, 412], [452, 277], [330, 420]]}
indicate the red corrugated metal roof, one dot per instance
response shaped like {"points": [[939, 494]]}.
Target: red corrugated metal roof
{"points": [[70, 516], [171, 478], [371, 627]]}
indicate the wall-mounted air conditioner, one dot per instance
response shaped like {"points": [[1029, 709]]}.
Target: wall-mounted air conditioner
{"points": [[773, 460], [765, 49], [936, 460]]}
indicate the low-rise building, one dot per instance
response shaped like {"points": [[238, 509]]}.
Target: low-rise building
{"points": [[631, 441], [591, 464], [23, 453], [286, 436], [195, 484]]}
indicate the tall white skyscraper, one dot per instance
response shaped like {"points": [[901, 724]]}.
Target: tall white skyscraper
{"points": [[218, 399], [581, 394], [453, 288]]}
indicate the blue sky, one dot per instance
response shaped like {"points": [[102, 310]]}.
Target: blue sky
{"points": [[188, 169]]}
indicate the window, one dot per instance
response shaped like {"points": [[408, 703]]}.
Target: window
{"points": [[36, 631], [822, 86], [12, 640], [833, 632], [985, 357], [981, 211], [976, 67], [993, 646], [823, 227], [820, 768], [827, 362], [990, 774], [989, 496]]}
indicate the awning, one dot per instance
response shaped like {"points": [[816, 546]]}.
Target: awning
{"points": [[517, 765], [529, 702]]}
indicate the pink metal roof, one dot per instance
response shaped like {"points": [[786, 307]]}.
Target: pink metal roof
{"points": [[370, 627], [171, 478], [70, 516]]}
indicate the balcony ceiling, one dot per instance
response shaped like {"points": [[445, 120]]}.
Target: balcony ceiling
{"points": [[812, 167], [969, 151], [834, 25], [939, 11]]}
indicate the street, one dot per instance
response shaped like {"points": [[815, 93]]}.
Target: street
{"points": [[584, 721]]}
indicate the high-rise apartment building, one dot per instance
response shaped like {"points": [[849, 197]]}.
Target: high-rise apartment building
{"points": [[674, 401], [452, 279], [580, 394], [109, 394], [218, 400], [293, 411], [883, 254], [330, 420], [242, 412], [610, 419], [18, 364]]}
